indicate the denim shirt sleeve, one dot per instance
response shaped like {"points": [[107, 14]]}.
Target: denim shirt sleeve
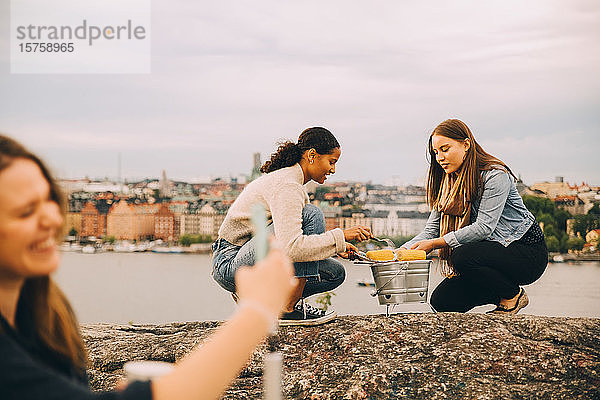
{"points": [[497, 185], [431, 231]]}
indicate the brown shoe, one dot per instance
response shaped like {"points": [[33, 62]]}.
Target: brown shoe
{"points": [[522, 302]]}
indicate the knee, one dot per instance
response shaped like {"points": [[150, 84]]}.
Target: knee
{"points": [[340, 273], [446, 299], [313, 220], [437, 303], [223, 281], [333, 272]]}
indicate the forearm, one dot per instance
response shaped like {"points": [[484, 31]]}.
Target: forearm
{"points": [[209, 369], [316, 247], [431, 230], [438, 243]]}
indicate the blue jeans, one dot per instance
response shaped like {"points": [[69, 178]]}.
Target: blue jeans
{"points": [[321, 275]]}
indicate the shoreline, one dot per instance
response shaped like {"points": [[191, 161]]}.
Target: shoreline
{"points": [[566, 257], [205, 248]]}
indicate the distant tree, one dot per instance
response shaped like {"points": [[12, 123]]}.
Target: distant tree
{"points": [[585, 223], [550, 230], [185, 240], [553, 219], [576, 243], [553, 244], [560, 218], [109, 239], [563, 239], [72, 232], [538, 205], [202, 239], [320, 191]]}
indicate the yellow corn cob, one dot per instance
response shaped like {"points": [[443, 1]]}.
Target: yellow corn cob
{"points": [[380, 255], [408, 255]]}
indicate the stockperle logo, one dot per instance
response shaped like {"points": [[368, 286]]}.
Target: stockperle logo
{"points": [[74, 36]]}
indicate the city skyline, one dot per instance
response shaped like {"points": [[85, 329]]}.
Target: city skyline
{"points": [[228, 81], [393, 181]]}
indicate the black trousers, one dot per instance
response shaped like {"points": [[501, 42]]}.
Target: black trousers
{"points": [[488, 272]]}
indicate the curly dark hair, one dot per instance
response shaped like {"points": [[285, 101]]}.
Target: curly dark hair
{"points": [[289, 153]]}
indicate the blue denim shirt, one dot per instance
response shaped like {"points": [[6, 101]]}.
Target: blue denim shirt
{"points": [[498, 215]]}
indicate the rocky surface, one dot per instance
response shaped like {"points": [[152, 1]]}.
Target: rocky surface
{"points": [[416, 356]]}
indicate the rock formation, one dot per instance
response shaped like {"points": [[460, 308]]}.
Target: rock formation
{"points": [[416, 356]]}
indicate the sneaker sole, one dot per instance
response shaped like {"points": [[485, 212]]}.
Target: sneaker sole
{"points": [[308, 322]]}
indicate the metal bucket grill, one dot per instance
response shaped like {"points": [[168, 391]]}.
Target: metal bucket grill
{"points": [[401, 281]]}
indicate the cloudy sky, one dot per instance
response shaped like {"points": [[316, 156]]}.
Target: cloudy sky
{"points": [[230, 78]]}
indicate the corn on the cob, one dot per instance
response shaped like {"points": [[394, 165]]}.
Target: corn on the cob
{"points": [[380, 255], [408, 255]]}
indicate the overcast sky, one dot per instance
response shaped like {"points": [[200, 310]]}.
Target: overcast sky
{"points": [[230, 78]]}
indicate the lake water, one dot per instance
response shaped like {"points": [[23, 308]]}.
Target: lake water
{"points": [[160, 288]]}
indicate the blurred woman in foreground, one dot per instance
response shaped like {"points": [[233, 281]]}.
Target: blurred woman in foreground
{"points": [[42, 352]]}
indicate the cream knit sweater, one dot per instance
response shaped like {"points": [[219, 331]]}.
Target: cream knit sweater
{"points": [[283, 196]]}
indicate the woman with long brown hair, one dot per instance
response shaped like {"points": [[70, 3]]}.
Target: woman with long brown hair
{"points": [[42, 355], [489, 243]]}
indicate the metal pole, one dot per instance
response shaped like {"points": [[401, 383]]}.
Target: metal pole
{"points": [[273, 360]]}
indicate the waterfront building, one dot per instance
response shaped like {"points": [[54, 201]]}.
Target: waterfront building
{"points": [[382, 222], [178, 207], [189, 224], [412, 206], [554, 189], [204, 220], [398, 223], [572, 204], [131, 221], [350, 218], [211, 218], [593, 237], [93, 217], [90, 220], [72, 221], [331, 213], [166, 223], [410, 223]]}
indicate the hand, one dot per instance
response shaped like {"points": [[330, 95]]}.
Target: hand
{"points": [[121, 385], [349, 248], [270, 282], [428, 245], [359, 233]]}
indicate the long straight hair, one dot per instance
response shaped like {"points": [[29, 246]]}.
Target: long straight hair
{"points": [[289, 153], [476, 160], [53, 318]]}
